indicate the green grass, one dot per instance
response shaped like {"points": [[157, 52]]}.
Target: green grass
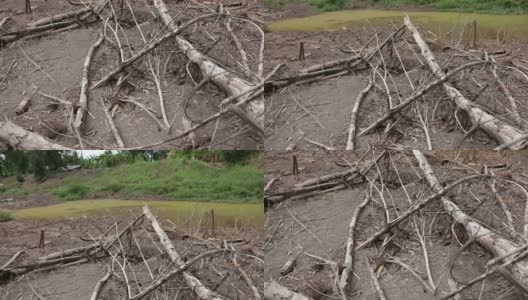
{"points": [[5, 216], [438, 22], [176, 211], [176, 179], [74, 191], [479, 6]]}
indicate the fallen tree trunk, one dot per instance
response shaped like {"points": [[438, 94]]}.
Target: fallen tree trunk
{"points": [[83, 97], [275, 291], [349, 255], [493, 242], [17, 137], [225, 80], [500, 131], [194, 283]]}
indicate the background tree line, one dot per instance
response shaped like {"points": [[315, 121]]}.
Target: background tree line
{"points": [[41, 163]]}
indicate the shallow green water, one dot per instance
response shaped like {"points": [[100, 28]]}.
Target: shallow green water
{"points": [[440, 23], [177, 211]]}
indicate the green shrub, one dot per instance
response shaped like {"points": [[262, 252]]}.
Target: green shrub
{"points": [[5, 216], [112, 187], [20, 178], [74, 191], [329, 5]]}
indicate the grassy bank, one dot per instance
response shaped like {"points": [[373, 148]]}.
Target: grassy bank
{"points": [[478, 6], [177, 179], [177, 211], [5, 216]]}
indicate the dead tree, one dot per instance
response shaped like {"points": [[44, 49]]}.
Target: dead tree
{"points": [[496, 244], [497, 129]]}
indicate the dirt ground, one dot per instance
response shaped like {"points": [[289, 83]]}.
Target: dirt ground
{"points": [[320, 111], [52, 65], [78, 281], [319, 224]]}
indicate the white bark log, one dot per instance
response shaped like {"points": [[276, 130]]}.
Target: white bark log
{"points": [[194, 283], [83, 97], [353, 116], [500, 131], [494, 243], [17, 137], [226, 81], [275, 291], [349, 257]]}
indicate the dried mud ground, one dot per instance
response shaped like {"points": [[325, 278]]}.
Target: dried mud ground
{"points": [[321, 110], [52, 65], [325, 219], [78, 282]]}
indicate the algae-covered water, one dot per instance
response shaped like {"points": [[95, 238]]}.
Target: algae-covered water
{"points": [[226, 214], [440, 23]]}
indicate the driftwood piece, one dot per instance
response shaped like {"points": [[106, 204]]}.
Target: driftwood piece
{"points": [[275, 291], [194, 283], [225, 80], [497, 129], [244, 275], [377, 285], [353, 116], [112, 125], [99, 285], [83, 98], [23, 105], [493, 242], [17, 137], [349, 255], [290, 263]]}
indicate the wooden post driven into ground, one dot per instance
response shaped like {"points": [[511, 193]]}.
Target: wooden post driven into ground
{"points": [[28, 7], [301, 51], [41, 242], [212, 223], [295, 170]]}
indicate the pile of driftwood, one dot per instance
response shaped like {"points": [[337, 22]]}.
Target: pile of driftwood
{"points": [[238, 75], [127, 254], [506, 126], [503, 239]]}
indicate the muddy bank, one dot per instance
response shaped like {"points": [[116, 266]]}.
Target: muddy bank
{"points": [[49, 68], [144, 258], [318, 109], [320, 225]]}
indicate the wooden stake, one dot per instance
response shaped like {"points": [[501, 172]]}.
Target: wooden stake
{"points": [[212, 223], [301, 51], [28, 7], [474, 41], [41, 242], [295, 165]]}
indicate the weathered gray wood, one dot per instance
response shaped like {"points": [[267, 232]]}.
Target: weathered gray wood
{"points": [[194, 283], [17, 137], [493, 242], [500, 131]]}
